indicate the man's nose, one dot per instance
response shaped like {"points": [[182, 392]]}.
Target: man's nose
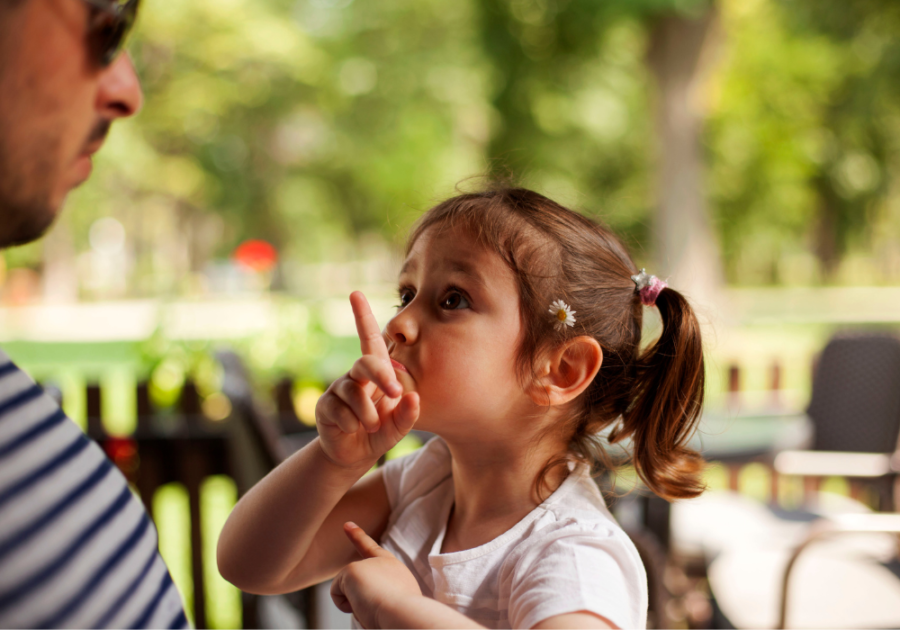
{"points": [[120, 92]]}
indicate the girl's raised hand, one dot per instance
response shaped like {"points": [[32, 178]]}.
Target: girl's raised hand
{"points": [[363, 414]]}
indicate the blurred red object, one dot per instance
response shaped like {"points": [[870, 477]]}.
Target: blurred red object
{"points": [[124, 454], [256, 255]]}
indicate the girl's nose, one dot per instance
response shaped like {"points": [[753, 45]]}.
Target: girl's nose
{"points": [[403, 329]]}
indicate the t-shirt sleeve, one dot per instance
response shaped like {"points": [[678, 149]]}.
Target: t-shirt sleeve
{"points": [[583, 567], [414, 474]]}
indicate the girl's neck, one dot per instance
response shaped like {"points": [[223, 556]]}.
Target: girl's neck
{"points": [[494, 487]]}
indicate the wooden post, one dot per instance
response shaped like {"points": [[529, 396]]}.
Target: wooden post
{"points": [[856, 490], [193, 463], [775, 385], [284, 404], [734, 473], [189, 403], [250, 611], [734, 386], [149, 476], [810, 488], [94, 424], [144, 410]]}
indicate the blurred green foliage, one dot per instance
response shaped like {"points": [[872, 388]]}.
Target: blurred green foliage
{"points": [[573, 100], [804, 136], [316, 124], [303, 123]]}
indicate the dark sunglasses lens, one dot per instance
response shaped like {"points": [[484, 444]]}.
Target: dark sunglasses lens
{"points": [[109, 32]]}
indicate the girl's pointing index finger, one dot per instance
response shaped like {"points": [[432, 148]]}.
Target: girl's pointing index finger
{"points": [[364, 544], [370, 339]]}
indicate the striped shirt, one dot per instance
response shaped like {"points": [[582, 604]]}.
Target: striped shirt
{"points": [[77, 548]]}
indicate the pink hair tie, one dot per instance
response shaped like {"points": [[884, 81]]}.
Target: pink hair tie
{"points": [[649, 287]]}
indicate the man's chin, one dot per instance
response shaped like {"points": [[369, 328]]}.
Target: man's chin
{"points": [[22, 225]]}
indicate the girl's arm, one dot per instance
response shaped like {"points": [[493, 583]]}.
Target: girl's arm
{"points": [[419, 611], [581, 619], [382, 593], [423, 612], [286, 532]]}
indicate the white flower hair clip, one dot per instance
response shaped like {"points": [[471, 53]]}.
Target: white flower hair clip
{"points": [[564, 315]]}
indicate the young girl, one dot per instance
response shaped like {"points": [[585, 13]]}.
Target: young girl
{"points": [[516, 341]]}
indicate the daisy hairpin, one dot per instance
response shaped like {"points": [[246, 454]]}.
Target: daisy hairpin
{"points": [[563, 315]]}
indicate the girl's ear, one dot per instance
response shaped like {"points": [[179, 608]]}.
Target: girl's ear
{"points": [[567, 371]]}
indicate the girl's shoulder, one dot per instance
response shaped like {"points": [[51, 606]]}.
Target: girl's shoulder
{"points": [[576, 545], [575, 519], [579, 500]]}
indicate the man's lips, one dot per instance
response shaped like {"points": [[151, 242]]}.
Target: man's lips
{"points": [[399, 366], [83, 167], [92, 148], [97, 137], [83, 163]]}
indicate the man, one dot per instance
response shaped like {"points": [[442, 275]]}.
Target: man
{"points": [[77, 548]]}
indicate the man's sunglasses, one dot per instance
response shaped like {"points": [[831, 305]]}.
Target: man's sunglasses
{"points": [[110, 23]]}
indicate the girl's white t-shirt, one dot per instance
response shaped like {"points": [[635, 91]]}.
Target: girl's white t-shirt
{"points": [[566, 555]]}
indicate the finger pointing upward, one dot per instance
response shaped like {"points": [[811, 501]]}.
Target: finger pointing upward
{"points": [[370, 339]]}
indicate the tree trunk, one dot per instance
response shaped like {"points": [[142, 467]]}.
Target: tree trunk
{"points": [[827, 230], [680, 52]]}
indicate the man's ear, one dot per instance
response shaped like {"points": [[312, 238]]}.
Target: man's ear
{"points": [[568, 370]]}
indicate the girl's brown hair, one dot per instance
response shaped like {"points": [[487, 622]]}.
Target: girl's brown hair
{"points": [[652, 397]]}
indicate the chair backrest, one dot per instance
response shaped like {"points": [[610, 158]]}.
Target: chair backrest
{"points": [[855, 402]]}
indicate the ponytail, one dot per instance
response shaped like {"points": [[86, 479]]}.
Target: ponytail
{"points": [[667, 397]]}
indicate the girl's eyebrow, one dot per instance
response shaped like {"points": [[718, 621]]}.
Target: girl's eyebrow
{"points": [[453, 266], [468, 270]]}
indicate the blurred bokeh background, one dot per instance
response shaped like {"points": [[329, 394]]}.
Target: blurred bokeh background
{"points": [[747, 149]]}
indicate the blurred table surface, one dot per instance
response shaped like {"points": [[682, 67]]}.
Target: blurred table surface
{"points": [[727, 436]]}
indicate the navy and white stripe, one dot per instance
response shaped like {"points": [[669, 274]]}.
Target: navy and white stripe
{"points": [[77, 548]]}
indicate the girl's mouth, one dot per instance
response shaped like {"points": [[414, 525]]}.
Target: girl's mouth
{"points": [[399, 366]]}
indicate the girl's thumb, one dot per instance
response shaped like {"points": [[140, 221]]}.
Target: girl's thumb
{"points": [[406, 412]]}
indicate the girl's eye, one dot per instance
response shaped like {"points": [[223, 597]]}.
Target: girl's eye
{"points": [[406, 296], [454, 300]]}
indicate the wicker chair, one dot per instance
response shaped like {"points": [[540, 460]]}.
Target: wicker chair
{"points": [[832, 563]]}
